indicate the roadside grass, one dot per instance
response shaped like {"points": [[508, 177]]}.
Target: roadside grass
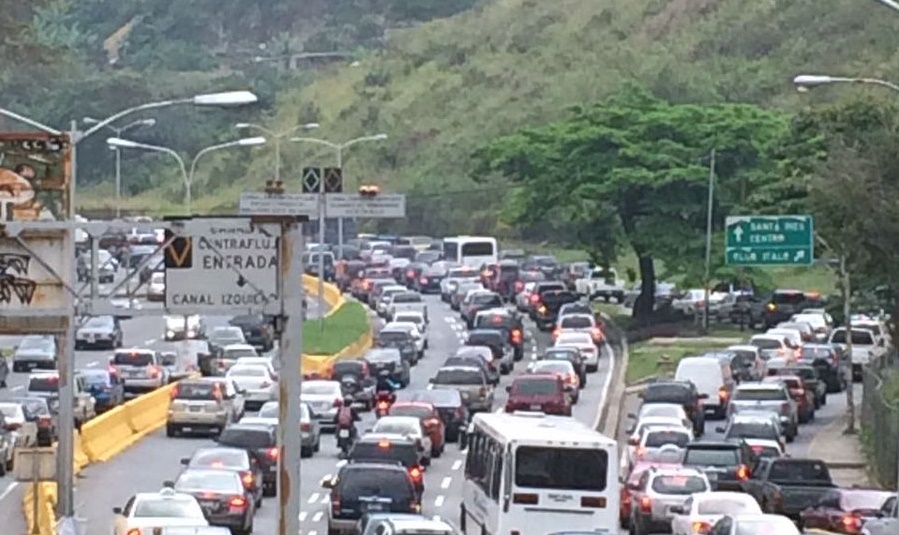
{"points": [[339, 330], [644, 360]]}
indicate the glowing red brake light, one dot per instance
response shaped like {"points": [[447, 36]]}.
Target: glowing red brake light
{"points": [[646, 504], [247, 480], [415, 473], [272, 453], [337, 402], [519, 286], [306, 426], [423, 280], [237, 502], [596, 333], [516, 336], [534, 299], [701, 527], [410, 274], [384, 444], [174, 392], [556, 332], [383, 405], [851, 523], [743, 472]]}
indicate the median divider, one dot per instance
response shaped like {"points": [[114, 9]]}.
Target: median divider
{"points": [[114, 431]]}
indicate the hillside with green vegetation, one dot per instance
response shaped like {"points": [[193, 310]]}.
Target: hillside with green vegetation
{"points": [[444, 89]]}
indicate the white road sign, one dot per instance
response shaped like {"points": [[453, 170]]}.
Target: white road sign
{"points": [[284, 204], [387, 206], [226, 266]]}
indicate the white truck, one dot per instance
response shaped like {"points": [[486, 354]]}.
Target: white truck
{"points": [[406, 302], [600, 283], [866, 346]]}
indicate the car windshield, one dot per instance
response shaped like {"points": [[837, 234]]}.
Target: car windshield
{"points": [[210, 481], [759, 394], [36, 343], [99, 322], [679, 485], [247, 371], [864, 338], [34, 406], [96, 377], [246, 438], [417, 411], [44, 384], [270, 410], [195, 391], [725, 506], [680, 394], [167, 508], [766, 343], [560, 367], [135, 358], [535, 387], [459, 377], [576, 322], [320, 389], [712, 457], [657, 439], [753, 430], [394, 427]]}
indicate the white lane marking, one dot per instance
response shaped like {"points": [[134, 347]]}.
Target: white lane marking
{"points": [[325, 499], [447, 481], [17, 388], [313, 532], [149, 342], [605, 386], [303, 516], [314, 497], [436, 518], [317, 516], [93, 364], [457, 465], [9, 488], [439, 501]]}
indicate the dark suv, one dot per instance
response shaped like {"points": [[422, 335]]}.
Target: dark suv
{"points": [[257, 330], [498, 343], [726, 463], [261, 442], [374, 448], [508, 321], [361, 488], [782, 305], [680, 393]]}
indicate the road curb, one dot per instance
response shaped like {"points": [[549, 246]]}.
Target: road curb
{"points": [[607, 420]]}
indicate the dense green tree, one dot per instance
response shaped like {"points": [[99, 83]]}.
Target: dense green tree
{"points": [[638, 163]]}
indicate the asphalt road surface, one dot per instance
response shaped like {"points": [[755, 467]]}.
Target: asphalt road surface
{"points": [[140, 331], [146, 465]]}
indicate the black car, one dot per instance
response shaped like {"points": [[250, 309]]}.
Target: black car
{"points": [[509, 321], [550, 301], [546, 264], [261, 442], [781, 306], [374, 448], [222, 497], [682, 393], [827, 359], [726, 463], [389, 362], [448, 404], [361, 488], [257, 330], [572, 355], [498, 342], [428, 282], [508, 272], [411, 274], [236, 460], [400, 339]]}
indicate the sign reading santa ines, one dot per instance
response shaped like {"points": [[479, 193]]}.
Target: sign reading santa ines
{"points": [[224, 266]]}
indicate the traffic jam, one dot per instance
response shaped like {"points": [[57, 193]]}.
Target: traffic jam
{"points": [[510, 400]]}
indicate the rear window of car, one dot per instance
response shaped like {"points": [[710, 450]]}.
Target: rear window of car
{"points": [[535, 387], [487, 299], [195, 391], [508, 272], [459, 377], [788, 298], [766, 343], [246, 438], [806, 374], [494, 320], [386, 451], [407, 298], [816, 353], [712, 457], [865, 338], [657, 439], [797, 470], [493, 338], [679, 485], [410, 410], [43, 384], [394, 484], [759, 394], [753, 430], [393, 336], [668, 393], [576, 322], [223, 457], [133, 359]]}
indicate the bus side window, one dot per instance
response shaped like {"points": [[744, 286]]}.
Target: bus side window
{"points": [[497, 474]]}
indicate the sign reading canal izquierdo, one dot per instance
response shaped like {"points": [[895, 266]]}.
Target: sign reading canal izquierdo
{"points": [[781, 240]]}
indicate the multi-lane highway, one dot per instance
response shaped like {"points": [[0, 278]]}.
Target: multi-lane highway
{"points": [[140, 331], [146, 465]]}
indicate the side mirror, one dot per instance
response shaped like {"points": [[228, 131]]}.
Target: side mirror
{"points": [[327, 483], [185, 461], [116, 510], [719, 429], [509, 388], [431, 380], [677, 510], [882, 343], [633, 441], [703, 396]]}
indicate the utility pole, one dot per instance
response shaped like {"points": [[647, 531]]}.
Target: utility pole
{"points": [[847, 315], [321, 253], [289, 384], [339, 219], [708, 244]]}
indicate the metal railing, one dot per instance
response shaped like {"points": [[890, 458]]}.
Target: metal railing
{"points": [[880, 422]]}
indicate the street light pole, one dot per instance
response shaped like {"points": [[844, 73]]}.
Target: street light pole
{"points": [[118, 155], [708, 244], [847, 315], [276, 138]]}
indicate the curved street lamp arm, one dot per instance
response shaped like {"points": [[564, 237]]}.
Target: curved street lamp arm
{"points": [[362, 139], [193, 163], [317, 141], [29, 122], [112, 118], [264, 130], [875, 81]]}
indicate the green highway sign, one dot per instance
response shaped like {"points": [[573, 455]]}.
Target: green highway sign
{"points": [[761, 240]]}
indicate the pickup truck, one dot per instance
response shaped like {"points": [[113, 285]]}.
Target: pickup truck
{"points": [[866, 346], [599, 283], [785, 486], [406, 302]]}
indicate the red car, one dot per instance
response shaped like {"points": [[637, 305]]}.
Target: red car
{"points": [[431, 422], [539, 392], [844, 510], [624, 505], [804, 398]]}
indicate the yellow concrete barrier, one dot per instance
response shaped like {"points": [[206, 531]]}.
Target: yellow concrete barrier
{"points": [[333, 297], [81, 458], [46, 506], [320, 363], [107, 434], [148, 413]]}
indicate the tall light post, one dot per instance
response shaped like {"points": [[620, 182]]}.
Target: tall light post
{"points": [[118, 154], [187, 176], [338, 149], [804, 82], [276, 138], [708, 244]]}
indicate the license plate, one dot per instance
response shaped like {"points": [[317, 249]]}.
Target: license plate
{"points": [[536, 407], [196, 409], [344, 433], [375, 507]]}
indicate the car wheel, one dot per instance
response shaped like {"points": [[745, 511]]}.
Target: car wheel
{"points": [[2, 469], [171, 431], [824, 400], [305, 452], [318, 444]]}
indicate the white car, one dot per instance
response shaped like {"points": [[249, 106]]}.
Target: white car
{"points": [[793, 335], [665, 410], [413, 329], [772, 346], [166, 508], [657, 437], [579, 323], [235, 352], [700, 512], [256, 381], [387, 294], [584, 342], [324, 398], [268, 362], [643, 425], [409, 426], [416, 317], [765, 448], [747, 352], [24, 432], [819, 322], [156, 286], [865, 347]]}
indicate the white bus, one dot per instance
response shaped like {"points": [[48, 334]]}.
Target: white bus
{"points": [[532, 474], [474, 251]]}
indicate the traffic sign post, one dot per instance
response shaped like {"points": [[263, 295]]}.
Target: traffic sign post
{"points": [[787, 240]]}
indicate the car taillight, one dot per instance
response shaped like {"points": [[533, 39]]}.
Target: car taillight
{"points": [[542, 309], [174, 392], [383, 405], [337, 403], [44, 421], [641, 451], [556, 332], [335, 504], [701, 528], [797, 392], [646, 504], [410, 274], [519, 286], [535, 299], [306, 426], [247, 480], [153, 372], [113, 370], [772, 307], [784, 407], [722, 395], [573, 379], [237, 502], [423, 280], [133, 531], [415, 473], [516, 336], [13, 427], [742, 472], [272, 453], [851, 523], [596, 333]]}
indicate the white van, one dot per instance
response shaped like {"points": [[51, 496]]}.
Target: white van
{"points": [[712, 377]]}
